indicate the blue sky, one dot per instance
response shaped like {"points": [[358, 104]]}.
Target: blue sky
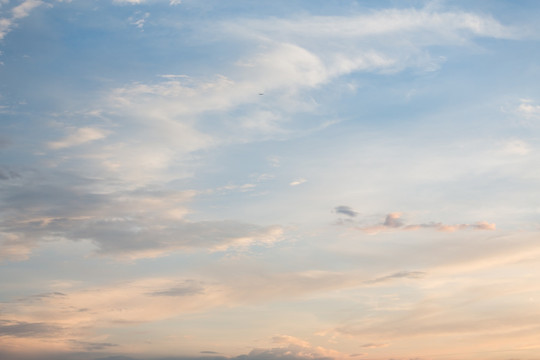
{"points": [[269, 179]]}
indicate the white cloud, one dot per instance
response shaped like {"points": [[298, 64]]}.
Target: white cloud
{"points": [[516, 147], [386, 40], [132, 2], [528, 109], [18, 12], [298, 182], [383, 22], [23, 10], [78, 137], [140, 21], [169, 114]]}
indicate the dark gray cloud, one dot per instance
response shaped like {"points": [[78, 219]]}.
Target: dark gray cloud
{"points": [[134, 223], [25, 329], [40, 297], [345, 210], [393, 220]]}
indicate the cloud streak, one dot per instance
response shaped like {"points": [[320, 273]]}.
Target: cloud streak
{"points": [[17, 13], [79, 137], [393, 222]]}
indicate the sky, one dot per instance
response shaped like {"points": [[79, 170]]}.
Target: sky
{"points": [[269, 180]]}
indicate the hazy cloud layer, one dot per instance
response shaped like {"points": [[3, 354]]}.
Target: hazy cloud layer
{"points": [[132, 224], [186, 289]]}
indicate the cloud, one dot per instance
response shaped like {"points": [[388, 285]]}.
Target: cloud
{"points": [[131, 224], [381, 41], [84, 311], [287, 61], [8, 174], [292, 348], [398, 275], [40, 297], [137, 239], [25, 329], [23, 9], [139, 23], [393, 222], [115, 304], [15, 247], [445, 25], [91, 346], [78, 137], [427, 320], [298, 182], [517, 147], [374, 345], [345, 210], [528, 109], [186, 289], [255, 354], [161, 124], [18, 12], [131, 2]]}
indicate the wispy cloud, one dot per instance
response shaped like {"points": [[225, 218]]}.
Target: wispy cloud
{"points": [[78, 137], [18, 12], [374, 345], [345, 210], [160, 149], [528, 109], [297, 182], [139, 20], [186, 289], [394, 222], [129, 1], [25, 329], [398, 275], [290, 63]]}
